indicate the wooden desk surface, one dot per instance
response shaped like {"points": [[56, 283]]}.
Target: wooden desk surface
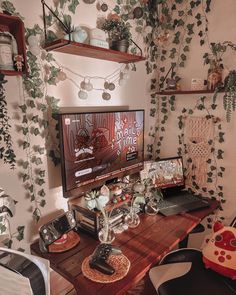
{"points": [[144, 246]]}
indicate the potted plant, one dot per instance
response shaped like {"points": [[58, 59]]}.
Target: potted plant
{"points": [[119, 34], [214, 59]]}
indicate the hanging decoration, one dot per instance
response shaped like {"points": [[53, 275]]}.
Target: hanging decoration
{"points": [[108, 83], [34, 45], [198, 131], [200, 140]]}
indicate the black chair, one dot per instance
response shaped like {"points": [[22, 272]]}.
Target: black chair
{"points": [[182, 272], [197, 229]]}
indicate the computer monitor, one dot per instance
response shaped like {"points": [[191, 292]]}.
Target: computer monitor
{"points": [[99, 146], [169, 173]]}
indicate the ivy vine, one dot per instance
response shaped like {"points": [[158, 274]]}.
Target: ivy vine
{"points": [[6, 148]]}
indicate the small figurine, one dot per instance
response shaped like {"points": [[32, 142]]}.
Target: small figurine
{"points": [[18, 61]]}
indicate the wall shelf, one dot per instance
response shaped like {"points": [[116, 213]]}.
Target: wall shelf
{"points": [[81, 49], [14, 25], [182, 92]]}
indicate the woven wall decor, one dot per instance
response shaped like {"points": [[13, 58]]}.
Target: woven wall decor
{"points": [[198, 131]]}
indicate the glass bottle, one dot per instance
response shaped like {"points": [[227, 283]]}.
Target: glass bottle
{"points": [[132, 219], [151, 207], [106, 234]]}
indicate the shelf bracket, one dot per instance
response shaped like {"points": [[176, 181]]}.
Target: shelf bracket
{"points": [[67, 29], [137, 46]]}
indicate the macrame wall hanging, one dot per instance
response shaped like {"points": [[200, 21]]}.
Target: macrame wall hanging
{"points": [[198, 132]]}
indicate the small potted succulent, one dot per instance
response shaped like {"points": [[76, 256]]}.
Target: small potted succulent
{"points": [[119, 34]]}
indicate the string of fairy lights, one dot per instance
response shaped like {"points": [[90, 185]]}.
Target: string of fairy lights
{"points": [[85, 83]]}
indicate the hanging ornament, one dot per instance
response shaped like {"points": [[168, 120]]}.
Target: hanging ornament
{"points": [[138, 12], [82, 94], [62, 76], [121, 82], [82, 84], [35, 50], [106, 85], [111, 86], [126, 69], [125, 76], [104, 7], [106, 96], [32, 40], [88, 86]]}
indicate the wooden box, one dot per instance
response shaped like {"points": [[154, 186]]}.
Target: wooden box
{"points": [[14, 25], [91, 220]]}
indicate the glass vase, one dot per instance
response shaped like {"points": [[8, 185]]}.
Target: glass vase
{"points": [[132, 219], [151, 207], [106, 235]]}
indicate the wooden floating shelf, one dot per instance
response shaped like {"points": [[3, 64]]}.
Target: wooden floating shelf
{"points": [[179, 92], [11, 73], [87, 50], [14, 25]]}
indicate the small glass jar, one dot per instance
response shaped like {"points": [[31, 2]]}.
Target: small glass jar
{"points": [[151, 207], [132, 219], [106, 235], [6, 52]]}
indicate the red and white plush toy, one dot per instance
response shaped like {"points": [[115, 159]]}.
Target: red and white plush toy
{"points": [[219, 254]]}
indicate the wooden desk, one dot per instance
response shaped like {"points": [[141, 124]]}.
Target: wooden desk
{"points": [[144, 246]]}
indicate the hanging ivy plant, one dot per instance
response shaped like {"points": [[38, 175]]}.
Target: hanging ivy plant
{"points": [[229, 98], [62, 10], [6, 148]]}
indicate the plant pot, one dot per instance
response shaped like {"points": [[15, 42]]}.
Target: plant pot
{"points": [[214, 78], [120, 45]]}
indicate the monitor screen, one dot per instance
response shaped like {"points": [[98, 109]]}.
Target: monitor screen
{"points": [[100, 146], [169, 173]]}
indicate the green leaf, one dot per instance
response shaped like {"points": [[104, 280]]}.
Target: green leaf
{"points": [[36, 214], [20, 235], [35, 119], [31, 188], [32, 197], [51, 36], [38, 161], [41, 193], [25, 177], [117, 9], [25, 130], [23, 108], [42, 203], [25, 145], [62, 3], [73, 5]]}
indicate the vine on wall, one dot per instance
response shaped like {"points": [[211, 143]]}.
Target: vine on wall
{"points": [[6, 148]]}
